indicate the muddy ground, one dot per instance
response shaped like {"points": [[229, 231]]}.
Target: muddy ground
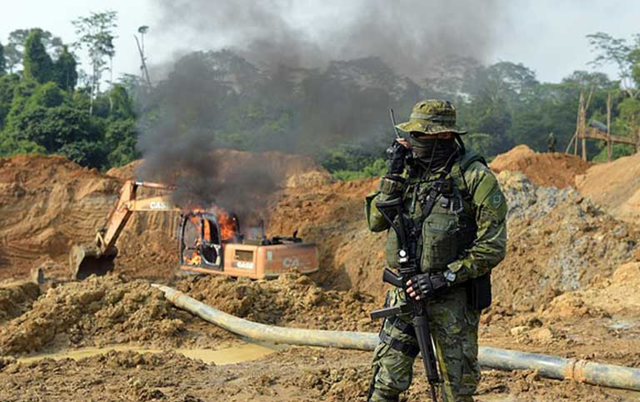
{"points": [[568, 287]]}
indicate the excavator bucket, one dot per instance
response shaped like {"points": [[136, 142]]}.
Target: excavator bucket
{"points": [[86, 260]]}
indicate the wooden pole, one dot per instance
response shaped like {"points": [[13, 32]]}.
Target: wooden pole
{"points": [[583, 126], [578, 120], [609, 143], [573, 138], [583, 129]]}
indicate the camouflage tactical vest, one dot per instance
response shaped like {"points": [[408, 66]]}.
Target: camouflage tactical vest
{"points": [[450, 229]]}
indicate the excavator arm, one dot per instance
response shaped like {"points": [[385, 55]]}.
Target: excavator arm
{"points": [[97, 258]]}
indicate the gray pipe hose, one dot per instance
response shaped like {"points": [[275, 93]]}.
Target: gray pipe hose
{"points": [[492, 358]]}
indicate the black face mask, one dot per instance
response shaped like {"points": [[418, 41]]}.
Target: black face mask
{"points": [[433, 153]]}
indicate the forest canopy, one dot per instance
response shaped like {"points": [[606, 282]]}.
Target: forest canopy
{"points": [[337, 114]]}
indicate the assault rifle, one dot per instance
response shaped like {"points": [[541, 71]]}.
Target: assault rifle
{"points": [[407, 232]]}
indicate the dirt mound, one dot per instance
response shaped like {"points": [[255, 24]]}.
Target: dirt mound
{"points": [[615, 186], [103, 310], [126, 172], [558, 241], [544, 169], [115, 376], [332, 216], [298, 374], [310, 179], [291, 300], [47, 203], [617, 295], [16, 299]]}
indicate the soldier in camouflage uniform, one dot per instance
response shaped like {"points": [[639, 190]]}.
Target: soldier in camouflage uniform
{"points": [[462, 239], [551, 142]]}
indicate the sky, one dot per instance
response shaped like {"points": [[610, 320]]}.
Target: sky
{"points": [[547, 36]]}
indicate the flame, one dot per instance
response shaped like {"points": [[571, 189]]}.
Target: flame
{"points": [[228, 224], [195, 260]]}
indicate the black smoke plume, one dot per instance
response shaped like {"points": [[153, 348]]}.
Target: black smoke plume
{"points": [[293, 76]]}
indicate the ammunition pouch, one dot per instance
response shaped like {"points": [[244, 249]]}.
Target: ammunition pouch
{"points": [[479, 292], [391, 184], [445, 236]]}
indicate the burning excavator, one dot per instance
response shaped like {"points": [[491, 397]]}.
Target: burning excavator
{"points": [[210, 241]]}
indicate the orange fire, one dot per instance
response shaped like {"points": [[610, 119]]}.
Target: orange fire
{"points": [[195, 260], [228, 224]]}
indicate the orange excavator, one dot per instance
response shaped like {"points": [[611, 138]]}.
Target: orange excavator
{"points": [[210, 241]]}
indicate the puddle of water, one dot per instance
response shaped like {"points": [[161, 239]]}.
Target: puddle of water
{"points": [[236, 354]]}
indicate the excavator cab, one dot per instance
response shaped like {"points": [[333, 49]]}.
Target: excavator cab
{"points": [[200, 242]]}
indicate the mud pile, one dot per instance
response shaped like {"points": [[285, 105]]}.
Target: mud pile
{"points": [[115, 376], [332, 216], [291, 300], [558, 241], [298, 374], [95, 311], [606, 296], [543, 169], [16, 299], [615, 186]]}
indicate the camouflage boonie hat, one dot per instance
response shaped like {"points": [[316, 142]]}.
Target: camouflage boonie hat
{"points": [[431, 117]]}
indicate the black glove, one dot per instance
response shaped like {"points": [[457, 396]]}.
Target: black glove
{"points": [[397, 154], [427, 286]]}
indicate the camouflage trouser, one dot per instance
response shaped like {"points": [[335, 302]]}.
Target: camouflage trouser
{"points": [[454, 326]]}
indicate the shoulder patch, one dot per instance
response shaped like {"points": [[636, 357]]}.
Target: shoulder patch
{"points": [[496, 199]]}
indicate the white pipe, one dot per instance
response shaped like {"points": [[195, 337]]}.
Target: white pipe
{"points": [[493, 358]]}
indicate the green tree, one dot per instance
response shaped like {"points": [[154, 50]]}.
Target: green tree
{"points": [[17, 40], [8, 83], [3, 62], [22, 91], [46, 95], [37, 63], [121, 104], [64, 130], [65, 73], [96, 35], [618, 51], [584, 79], [121, 138]]}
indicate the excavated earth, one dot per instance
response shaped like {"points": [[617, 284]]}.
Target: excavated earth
{"points": [[616, 186], [568, 287], [543, 169]]}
